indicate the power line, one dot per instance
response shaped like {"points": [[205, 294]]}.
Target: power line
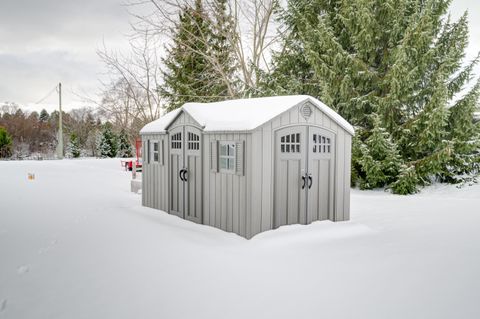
{"points": [[48, 95]]}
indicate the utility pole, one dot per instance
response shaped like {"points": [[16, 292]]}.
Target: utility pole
{"points": [[60, 123]]}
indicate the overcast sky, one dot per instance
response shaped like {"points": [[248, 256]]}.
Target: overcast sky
{"points": [[43, 42]]}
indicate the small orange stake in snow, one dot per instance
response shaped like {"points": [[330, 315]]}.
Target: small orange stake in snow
{"points": [[31, 176]]}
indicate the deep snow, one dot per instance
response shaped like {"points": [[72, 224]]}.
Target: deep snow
{"points": [[75, 243]]}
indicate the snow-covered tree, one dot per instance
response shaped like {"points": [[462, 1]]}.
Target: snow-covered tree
{"points": [[223, 61], [400, 60], [379, 161], [124, 146], [188, 73], [73, 146], [107, 144], [44, 116]]}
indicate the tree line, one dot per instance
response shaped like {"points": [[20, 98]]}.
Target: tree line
{"points": [[25, 134]]}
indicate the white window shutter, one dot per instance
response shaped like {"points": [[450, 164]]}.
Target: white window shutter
{"points": [[214, 156], [239, 158]]}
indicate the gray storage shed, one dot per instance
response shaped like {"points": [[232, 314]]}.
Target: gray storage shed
{"points": [[249, 165]]}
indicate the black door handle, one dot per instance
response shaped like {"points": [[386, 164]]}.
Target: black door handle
{"points": [[184, 176], [180, 174], [310, 179], [303, 179]]}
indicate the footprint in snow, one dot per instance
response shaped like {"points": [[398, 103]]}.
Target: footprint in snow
{"points": [[22, 270], [52, 243], [3, 305]]}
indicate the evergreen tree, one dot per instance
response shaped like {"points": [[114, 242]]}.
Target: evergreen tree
{"points": [[107, 144], [44, 117], [188, 74], [398, 60], [124, 146], [291, 72], [406, 182], [379, 160], [224, 83], [73, 147], [6, 143]]}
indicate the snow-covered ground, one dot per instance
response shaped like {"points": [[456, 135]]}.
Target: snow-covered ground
{"points": [[75, 243]]}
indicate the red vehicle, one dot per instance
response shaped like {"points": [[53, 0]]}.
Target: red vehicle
{"points": [[128, 164]]}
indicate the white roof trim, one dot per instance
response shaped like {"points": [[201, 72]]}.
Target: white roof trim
{"points": [[242, 114]]}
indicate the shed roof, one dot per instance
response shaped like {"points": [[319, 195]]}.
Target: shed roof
{"points": [[241, 114]]}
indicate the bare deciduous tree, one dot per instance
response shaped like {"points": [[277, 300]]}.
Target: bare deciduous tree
{"points": [[253, 36], [132, 94]]}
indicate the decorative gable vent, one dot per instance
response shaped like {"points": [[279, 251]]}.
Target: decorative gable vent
{"points": [[306, 110]]}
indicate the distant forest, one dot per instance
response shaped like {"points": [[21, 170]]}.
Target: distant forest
{"points": [[35, 135]]}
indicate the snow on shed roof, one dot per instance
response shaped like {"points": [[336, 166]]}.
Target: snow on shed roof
{"points": [[241, 114]]}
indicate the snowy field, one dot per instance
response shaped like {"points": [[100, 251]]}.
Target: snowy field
{"points": [[75, 243]]}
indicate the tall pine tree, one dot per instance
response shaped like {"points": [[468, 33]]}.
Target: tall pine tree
{"points": [[124, 146], [224, 83], [73, 146], [107, 144], [188, 73], [399, 60]]}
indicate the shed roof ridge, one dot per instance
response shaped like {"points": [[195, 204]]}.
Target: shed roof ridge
{"points": [[217, 116]]}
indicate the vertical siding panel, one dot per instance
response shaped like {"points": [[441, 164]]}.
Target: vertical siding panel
{"points": [[229, 201], [235, 203], [339, 174], [276, 123], [347, 169], [285, 119], [241, 207], [248, 186], [150, 176], [218, 197], [267, 183], [223, 201], [154, 183], [167, 170], [206, 178], [256, 168], [147, 175], [294, 116], [235, 197]]}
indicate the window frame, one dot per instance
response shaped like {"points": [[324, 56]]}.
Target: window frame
{"points": [[231, 160], [155, 152]]}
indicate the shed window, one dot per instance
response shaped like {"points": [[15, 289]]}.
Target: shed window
{"points": [[193, 141], [290, 143], [177, 140], [156, 152], [227, 157], [321, 144]]}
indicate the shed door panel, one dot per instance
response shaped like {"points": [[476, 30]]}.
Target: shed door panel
{"points": [[321, 151], [193, 176], [290, 154], [303, 151], [176, 165]]}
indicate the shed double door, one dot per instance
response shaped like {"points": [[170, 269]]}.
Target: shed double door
{"points": [[186, 173], [304, 175]]}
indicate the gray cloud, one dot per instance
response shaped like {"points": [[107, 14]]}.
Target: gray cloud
{"points": [[45, 42]]}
